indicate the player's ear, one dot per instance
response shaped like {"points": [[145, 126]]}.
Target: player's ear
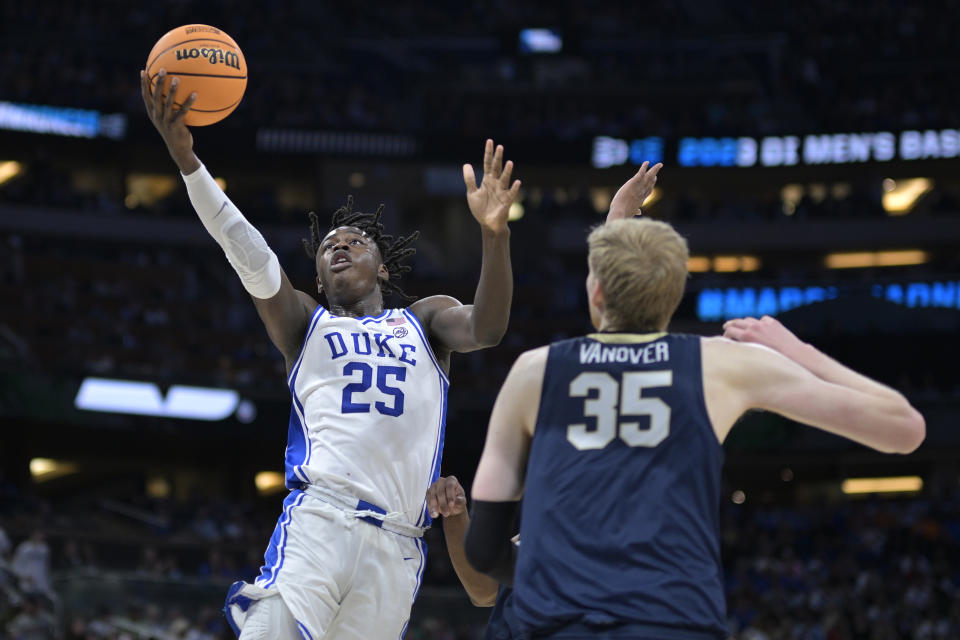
{"points": [[319, 286], [595, 293], [383, 274]]}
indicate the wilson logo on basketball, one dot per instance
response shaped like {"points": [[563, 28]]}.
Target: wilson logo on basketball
{"points": [[215, 56], [203, 29]]}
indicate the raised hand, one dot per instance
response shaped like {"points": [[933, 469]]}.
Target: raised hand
{"points": [[766, 331], [490, 203], [169, 120], [446, 497], [626, 203]]}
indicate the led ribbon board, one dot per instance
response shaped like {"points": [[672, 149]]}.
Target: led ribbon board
{"points": [[781, 151], [717, 304], [61, 121], [144, 399]]}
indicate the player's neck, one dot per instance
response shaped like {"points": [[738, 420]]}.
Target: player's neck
{"points": [[608, 327], [369, 305]]}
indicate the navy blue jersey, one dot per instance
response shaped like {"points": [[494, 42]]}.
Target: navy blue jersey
{"points": [[502, 624], [621, 506]]}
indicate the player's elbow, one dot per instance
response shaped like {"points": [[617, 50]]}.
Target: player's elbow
{"points": [[483, 599], [486, 332], [903, 429], [913, 430], [488, 338]]}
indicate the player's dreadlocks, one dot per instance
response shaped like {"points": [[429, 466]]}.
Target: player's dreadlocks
{"points": [[393, 251]]}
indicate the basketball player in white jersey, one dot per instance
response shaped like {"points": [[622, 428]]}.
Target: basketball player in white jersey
{"points": [[369, 400]]}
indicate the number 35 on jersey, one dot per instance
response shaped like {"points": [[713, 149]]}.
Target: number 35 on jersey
{"points": [[611, 403]]}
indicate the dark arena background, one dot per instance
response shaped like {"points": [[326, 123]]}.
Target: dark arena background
{"points": [[810, 156]]}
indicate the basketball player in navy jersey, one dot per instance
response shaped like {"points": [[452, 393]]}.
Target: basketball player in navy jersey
{"points": [[447, 498], [614, 441], [368, 386]]}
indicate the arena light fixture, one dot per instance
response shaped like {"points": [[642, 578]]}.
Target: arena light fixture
{"points": [[901, 258], [9, 170], [900, 196], [147, 188], [892, 484], [726, 264], [790, 196], [356, 180], [854, 260], [45, 469], [722, 264], [862, 259], [144, 398], [268, 482], [653, 198], [600, 198], [749, 263], [540, 40], [698, 264], [516, 212], [158, 486]]}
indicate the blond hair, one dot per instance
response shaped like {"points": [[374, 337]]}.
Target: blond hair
{"points": [[641, 265]]}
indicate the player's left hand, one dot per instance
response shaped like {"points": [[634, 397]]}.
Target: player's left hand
{"points": [[490, 202], [766, 331], [446, 497], [634, 192]]}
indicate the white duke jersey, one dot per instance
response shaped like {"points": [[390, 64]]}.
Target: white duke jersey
{"points": [[369, 407]]}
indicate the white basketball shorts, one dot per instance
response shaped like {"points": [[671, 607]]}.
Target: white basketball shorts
{"points": [[336, 575]]}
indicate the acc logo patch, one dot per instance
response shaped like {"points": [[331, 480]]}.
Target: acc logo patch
{"points": [[400, 332]]}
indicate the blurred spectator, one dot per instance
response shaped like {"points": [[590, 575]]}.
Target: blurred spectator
{"points": [[725, 69], [32, 623], [5, 548], [31, 564]]}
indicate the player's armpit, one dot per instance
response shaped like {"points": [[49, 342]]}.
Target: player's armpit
{"points": [[758, 377], [286, 316], [452, 324]]}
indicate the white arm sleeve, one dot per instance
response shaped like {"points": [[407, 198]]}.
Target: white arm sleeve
{"points": [[247, 251]]}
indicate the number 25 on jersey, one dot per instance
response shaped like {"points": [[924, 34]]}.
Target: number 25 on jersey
{"points": [[348, 404]]}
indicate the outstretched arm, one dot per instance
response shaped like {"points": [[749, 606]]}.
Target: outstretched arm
{"points": [[446, 498], [634, 192], [458, 327], [284, 310], [780, 373]]}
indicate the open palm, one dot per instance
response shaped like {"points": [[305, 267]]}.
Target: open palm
{"points": [[634, 192], [490, 202]]}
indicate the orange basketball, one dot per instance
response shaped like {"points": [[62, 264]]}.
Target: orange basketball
{"points": [[206, 60]]}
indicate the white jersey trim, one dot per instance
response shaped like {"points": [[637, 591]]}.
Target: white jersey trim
{"points": [[423, 336], [297, 406], [314, 318]]}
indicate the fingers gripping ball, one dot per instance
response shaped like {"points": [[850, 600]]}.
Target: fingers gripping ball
{"points": [[206, 60]]}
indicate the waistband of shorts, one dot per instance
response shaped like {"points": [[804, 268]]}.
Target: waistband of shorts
{"points": [[363, 510]]}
